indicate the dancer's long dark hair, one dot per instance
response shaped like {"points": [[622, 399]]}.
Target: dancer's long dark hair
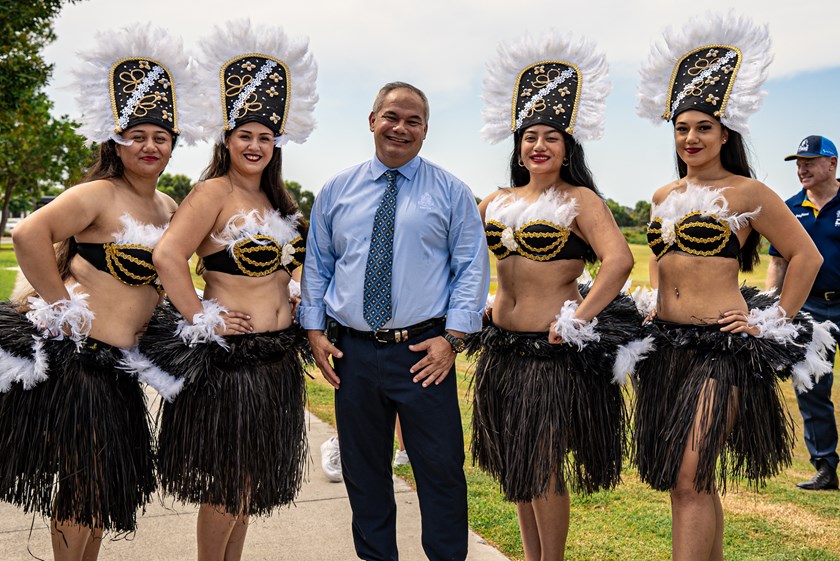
{"points": [[735, 160], [575, 173]]}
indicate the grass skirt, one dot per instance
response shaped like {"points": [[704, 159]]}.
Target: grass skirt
{"points": [[77, 447], [543, 411], [700, 364], [234, 436]]}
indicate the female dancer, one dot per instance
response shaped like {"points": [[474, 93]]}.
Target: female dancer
{"points": [[543, 388], [708, 399], [87, 461], [233, 440]]}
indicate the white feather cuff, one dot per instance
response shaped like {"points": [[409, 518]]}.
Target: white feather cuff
{"points": [[167, 385], [70, 314], [773, 324], [203, 327], [627, 358], [572, 330], [294, 289]]}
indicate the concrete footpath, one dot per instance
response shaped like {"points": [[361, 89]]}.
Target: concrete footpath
{"points": [[316, 528]]}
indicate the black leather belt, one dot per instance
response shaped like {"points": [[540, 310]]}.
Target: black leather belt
{"points": [[393, 335]]}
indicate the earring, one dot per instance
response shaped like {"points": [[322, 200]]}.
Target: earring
{"points": [[724, 140], [520, 162], [565, 161]]}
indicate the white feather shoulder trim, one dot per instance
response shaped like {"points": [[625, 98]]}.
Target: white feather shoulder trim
{"points": [[247, 225], [136, 232], [708, 201], [557, 207]]}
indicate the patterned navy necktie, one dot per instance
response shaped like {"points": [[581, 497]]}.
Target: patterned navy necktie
{"points": [[376, 306]]}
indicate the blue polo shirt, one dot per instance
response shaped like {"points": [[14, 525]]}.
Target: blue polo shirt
{"points": [[824, 228]]}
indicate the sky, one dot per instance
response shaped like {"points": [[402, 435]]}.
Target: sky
{"points": [[442, 46]]}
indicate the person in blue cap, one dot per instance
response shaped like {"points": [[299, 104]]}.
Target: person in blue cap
{"points": [[817, 207]]}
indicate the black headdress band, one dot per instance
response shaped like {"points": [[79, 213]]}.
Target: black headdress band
{"points": [[702, 80], [142, 92], [255, 87], [547, 92]]}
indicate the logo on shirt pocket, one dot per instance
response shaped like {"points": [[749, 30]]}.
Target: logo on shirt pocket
{"points": [[837, 220]]}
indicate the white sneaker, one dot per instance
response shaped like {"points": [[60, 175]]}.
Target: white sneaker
{"points": [[401, 458], [331, 460]]}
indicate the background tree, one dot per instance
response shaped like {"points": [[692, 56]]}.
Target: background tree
{"points": [[176, 186], [38, 151], [641, 213], [302, 197], [620, 213], [25, 29]]}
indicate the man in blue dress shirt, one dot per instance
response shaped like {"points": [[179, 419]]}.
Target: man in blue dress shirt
{"points": [[817, 206], [437, 276]]}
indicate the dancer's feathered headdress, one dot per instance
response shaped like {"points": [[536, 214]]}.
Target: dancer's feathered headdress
{"points": [[257, 73], [136, 75], [716, 64], [557, 79]]}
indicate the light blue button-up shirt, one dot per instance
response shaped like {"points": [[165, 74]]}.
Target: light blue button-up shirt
{"points": [[441, 265]]}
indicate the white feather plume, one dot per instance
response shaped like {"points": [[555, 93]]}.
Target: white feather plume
{"points": [[246, 225], [136, 363], [514, 56], [704, 199], [239, 37], [92, 79], [27, 371], [135, 232], [628, 356], [709, 29], [557, 207], [815, 365]]}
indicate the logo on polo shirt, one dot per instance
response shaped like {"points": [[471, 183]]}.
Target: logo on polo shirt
{"points": [[802, 214], [837, 220]]}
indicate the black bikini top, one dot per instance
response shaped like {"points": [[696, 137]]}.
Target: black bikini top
{"points": [[129, 257], [257, 244], [539, 231], [698, 222]]}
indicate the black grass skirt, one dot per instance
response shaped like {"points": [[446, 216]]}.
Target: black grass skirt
{"points": [[234, 437], [545, 412], [737, 380], [77, 447]]}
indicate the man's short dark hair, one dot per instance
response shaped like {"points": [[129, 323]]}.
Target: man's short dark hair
{"points": [[391, 86]]}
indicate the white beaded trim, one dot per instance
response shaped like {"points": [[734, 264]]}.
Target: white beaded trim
{"points": [[203, 327], [248, 90], [575, 331], [139, 93], [700, 78], [554, 84]]}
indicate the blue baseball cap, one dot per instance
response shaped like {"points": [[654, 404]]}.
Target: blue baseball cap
{"points": [[814, 147]]}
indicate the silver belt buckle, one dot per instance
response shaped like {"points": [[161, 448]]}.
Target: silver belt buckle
{"points": [[379, 334]]}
